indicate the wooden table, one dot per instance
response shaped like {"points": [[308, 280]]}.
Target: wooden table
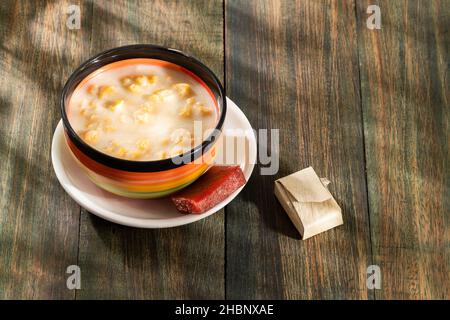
{"points": [[369, 109]]}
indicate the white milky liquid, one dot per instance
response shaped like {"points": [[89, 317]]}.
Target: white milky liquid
{"points": [[142, 112]]}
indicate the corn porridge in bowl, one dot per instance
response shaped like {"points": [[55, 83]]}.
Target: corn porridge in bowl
{"points": [[143, 121]]}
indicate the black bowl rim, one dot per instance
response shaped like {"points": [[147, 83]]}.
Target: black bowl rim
{"points": [[142, 166]]}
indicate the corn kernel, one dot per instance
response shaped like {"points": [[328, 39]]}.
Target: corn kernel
{"points": [[190, 101], [180, 136], [92, 125], [183, 89], [121, 151], [141, 116], [134, 88], [185, 111], [115, 143], [135, 155], [162, 155], [165, 141], [87, 107], [92, 89], [147, 107], [116, 104], [143, 144], [141, 81], [152, 79], [205, 111], [105, 90], [112, 146], [144, 80], [160, 95], [91, 136], [176, 151], [126, 81], [136, 84], [154, 98], [92, 122]]}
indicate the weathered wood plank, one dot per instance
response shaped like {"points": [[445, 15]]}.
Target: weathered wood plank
{"points": [[38, 221], [293, 66], [405, 96], [290, 65], [185, 262]]}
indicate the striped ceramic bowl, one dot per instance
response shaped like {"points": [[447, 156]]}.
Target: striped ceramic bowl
{"points": [[144, 179]]}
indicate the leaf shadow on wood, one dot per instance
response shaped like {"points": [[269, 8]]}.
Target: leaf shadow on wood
{"points": [[37, 216]]}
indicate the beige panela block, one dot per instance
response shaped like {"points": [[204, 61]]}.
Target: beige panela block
{"points": [[308, 203]]}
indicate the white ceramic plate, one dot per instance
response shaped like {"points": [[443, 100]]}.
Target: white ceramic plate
{"points": [[160, 213]]}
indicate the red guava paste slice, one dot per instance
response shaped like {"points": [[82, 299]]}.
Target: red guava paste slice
{"points": [[210, 189]]}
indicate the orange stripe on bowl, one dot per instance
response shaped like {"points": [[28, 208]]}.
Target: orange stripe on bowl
{"points": [[143, 177], [148, 187]]}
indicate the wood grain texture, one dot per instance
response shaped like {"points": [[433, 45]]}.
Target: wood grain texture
{"points": [[38, 220], [405, 96], [293, 66], [347, 100], [186, 262]]}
